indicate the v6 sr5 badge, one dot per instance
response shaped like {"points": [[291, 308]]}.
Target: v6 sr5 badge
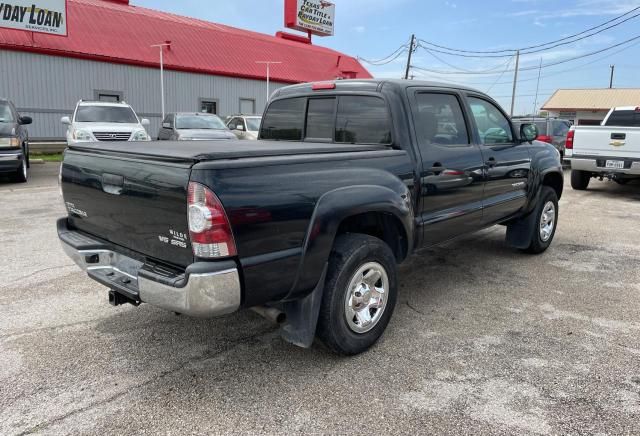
{"points": [[175, 238]]}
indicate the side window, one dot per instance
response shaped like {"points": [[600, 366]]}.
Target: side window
{"points": [[362, 120], [439, 120], [493, 126], [561, 128], [240, 122], [284, 120], [320, 118]]}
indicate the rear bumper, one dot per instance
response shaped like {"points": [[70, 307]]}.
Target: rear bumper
{"points": [[597, 165], [10, 161], [205, 289]]}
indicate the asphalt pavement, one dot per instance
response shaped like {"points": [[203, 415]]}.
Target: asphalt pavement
{"points": [[484, 340]]}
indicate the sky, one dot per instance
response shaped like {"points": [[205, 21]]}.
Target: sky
{"points": [[374, 29]]}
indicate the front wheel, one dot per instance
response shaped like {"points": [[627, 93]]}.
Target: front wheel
{"points": [[359, 295], [546, 221], [580, 179], [22, 173]]}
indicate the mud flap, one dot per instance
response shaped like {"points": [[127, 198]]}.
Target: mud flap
{"points": [[302, 316], [520, 232]]}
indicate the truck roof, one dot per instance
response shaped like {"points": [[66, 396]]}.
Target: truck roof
{"points": [[372, 85]]}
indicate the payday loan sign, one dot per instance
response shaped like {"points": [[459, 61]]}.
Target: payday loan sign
{"points": [[44, 16], [315, 16]]}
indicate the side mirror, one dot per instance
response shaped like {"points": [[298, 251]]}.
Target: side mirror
{"points": [[165, 125], [528, 132], [26, 120], [145, 122], [240, 127], [65, 120]]}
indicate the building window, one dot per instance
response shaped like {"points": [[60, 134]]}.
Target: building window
{"points": [[110, 96], [208, 106], [247, 106]]}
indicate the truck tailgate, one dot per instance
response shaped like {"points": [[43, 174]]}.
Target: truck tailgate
{"points": [[136, 202], [607, 141]]}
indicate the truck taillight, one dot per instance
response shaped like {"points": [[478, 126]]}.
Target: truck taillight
{"points": [[545, 138], [569, 144], [209, 226]]}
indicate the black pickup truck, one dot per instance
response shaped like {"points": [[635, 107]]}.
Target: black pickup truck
{"points": [[307, 224]]}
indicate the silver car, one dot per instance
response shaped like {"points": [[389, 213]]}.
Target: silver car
{"points": [[245, 126], [193, 126]]}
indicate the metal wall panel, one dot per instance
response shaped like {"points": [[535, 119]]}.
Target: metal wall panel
{"points": [[48, 88]]}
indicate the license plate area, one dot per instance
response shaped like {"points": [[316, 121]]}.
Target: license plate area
{"points": [[614, 164]]}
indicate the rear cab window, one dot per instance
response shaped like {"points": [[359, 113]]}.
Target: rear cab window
{"points": [[624, 118], [346, 119]]}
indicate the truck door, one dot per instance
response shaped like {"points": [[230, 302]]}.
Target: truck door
{"points": [[507, 161], [452, 166]]}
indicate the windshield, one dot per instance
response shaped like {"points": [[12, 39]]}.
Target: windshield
{"points": [[105, 114], [199, 122], [5, 113], [253, 124]]}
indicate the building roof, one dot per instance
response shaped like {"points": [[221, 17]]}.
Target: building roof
{"points": [[114, 31], [592, 99]]}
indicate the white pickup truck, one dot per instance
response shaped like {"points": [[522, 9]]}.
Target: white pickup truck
{"points": [[611, 150]]}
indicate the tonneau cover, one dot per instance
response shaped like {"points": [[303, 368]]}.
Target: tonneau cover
{"points": [[216, 150]]}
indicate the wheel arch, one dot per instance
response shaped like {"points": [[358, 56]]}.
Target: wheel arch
{"points": [[367, 209]]}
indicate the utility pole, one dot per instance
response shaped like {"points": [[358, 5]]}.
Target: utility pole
{"points": [[613, 67], [161, 47], [535, 103], [268, 63], [406, 71], [515, 82]]}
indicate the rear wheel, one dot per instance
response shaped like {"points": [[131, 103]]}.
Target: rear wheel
{"points": [[359, 295], [546, 221], [580, 179]]}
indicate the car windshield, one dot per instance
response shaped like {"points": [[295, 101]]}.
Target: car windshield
{"points": [[199, 122], [5, 113], [105, 114], [253, 124]]}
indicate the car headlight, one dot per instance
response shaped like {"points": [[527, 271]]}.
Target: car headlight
{"points": [[82, 135], [141, 135], [9, 143]]}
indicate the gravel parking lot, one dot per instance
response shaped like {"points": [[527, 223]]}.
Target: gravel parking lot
{"points": [[484, 340]]}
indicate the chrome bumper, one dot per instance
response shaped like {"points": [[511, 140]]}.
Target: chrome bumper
{"points": [[591, 164], [203, 295]]}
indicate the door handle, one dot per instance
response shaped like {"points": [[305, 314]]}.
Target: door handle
{"points": [[112, 183], [491, 162]]}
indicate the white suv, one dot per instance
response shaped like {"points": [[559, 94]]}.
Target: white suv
{"points": [[105, 121]]}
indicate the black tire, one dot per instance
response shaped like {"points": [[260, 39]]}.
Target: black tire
{"points": [[350, 253], [580, 179], [538, 243], [22, 173], [622, 181]]}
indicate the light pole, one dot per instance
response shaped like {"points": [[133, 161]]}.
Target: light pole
{"points": [[161, 47], [268, 63]]}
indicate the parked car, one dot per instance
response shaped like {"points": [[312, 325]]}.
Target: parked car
{"points": [[309, 223], [14, 142], [193, 126], [551, 130], [245, 126], [611, 150], [99, 121]]}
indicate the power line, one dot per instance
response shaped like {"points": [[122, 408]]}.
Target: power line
{"points": [[511, 51], [496, 69], [535, 67], [385, 60], [501, 75]]}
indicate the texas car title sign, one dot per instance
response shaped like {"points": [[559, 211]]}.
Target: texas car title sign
{"points": [[315, 16], [44, 16]]}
